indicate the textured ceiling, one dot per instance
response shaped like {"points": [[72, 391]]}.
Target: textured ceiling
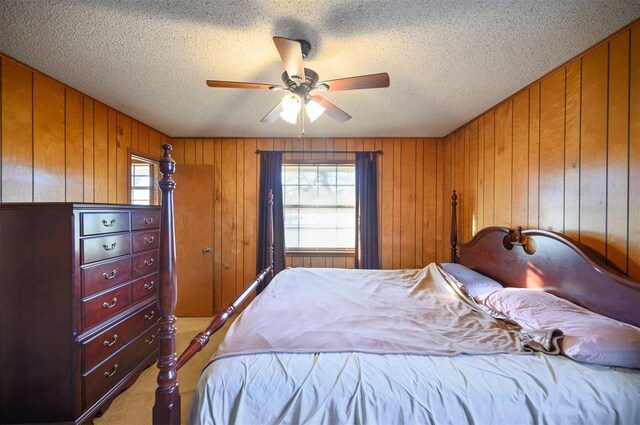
{"points": [[448, 60]]}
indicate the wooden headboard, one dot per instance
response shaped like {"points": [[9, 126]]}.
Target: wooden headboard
{"points": [[555, 263]]}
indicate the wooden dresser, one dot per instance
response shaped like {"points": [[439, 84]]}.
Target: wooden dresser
{"points": [[78, 307]]}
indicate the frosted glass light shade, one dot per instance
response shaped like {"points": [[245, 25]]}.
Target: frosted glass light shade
{"points": [[314, 110], [291, 105]]}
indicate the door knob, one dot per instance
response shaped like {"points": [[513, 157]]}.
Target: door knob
{"points": [[207, 249]]}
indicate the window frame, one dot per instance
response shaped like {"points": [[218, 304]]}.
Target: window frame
{"points": [[154, 189], [320, 252]]}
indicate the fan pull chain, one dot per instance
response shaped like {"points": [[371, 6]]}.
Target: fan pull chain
{"points": [[301, 123]]}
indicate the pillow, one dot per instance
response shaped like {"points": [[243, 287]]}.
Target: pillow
{"points": [[476, 284], [589, 337]]}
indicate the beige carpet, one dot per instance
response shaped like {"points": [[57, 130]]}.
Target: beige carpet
{"points": [[134, 405]]}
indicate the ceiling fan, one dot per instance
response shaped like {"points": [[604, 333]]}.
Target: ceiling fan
{"points": [[303, 85]]}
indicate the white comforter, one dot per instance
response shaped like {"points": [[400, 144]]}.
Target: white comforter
{"points": [[262, 377]]}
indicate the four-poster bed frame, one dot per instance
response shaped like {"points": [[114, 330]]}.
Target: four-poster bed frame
{"points": [[514, 258], [166, 409]]}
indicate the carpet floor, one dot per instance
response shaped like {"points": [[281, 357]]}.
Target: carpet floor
{"points": [[133, 406]]}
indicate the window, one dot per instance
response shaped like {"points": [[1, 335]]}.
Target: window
{"points": [[319, 207], [143, 181]]}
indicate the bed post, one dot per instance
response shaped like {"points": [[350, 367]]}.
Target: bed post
{"points": [[270, 262], [454, 227], [166, 409]]}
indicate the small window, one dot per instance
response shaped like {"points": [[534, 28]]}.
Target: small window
{"points": [[144, 190], [319, 207]]}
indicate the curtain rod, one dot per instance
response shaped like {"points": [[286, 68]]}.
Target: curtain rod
{"points": [[379, 152]]}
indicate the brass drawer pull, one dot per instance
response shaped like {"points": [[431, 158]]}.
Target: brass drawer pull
{"points": [[106, 223], [110, 276], [150, 340], [149, 285], [113, 341], [148, 262], [149, 240], [113, 371], [148, 220], [149, 316], [113, 303], [109, 248]]}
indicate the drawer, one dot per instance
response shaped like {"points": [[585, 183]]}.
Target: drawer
{"points": [[144, 264], [96, 249], [113, 370], [147, 317], [141, 220], [103, 276], [110, 341], [143, 241], [144, 287], [104, 222], [101, 307]]}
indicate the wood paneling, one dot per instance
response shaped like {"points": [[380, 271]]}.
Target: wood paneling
{"points": [[572, 149], [60, 145], [17, 132], [633, 207], [88, 150], [123, 145], [563, 154], [618, 151], [520, 158], [503, 161], [409, 234], [48, 139], [100, 152], [534, 157], [74, 145], [593, 149], [551, 180]]}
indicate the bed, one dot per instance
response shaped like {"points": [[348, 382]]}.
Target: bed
{"points": [[436, 345]]}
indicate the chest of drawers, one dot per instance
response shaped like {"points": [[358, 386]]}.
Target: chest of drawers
{"points": [[78, 307]]}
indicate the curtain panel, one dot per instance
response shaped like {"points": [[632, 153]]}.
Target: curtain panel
{"points": [[367, 256], [270, 179]]}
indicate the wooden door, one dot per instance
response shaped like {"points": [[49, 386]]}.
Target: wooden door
{"points": [[194, 239]]}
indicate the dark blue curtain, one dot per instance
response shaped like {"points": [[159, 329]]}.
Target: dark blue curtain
{"points": [[270, 179], [366, 211]]}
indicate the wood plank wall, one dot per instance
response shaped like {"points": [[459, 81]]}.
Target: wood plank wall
{"points": [[411, 207], [562, 154], [57, 144]]}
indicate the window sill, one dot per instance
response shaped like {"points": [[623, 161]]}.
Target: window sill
{"points": [[319, 253]]}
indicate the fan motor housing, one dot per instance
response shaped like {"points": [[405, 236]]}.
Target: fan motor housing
{"points": [[304, 87]]}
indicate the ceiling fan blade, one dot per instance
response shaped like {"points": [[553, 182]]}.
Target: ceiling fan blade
{"points": [[240, 85], [332, 110], [372, 81], [273, 114], [291, 55]]}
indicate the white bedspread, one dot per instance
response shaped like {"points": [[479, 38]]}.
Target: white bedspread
{"points": [[321, 366], [372, 311]]}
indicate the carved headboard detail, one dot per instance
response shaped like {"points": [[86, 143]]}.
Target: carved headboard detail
{"points": [[555, 263]]}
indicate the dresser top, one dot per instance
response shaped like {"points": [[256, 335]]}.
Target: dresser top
{"points": [[72, 205]]}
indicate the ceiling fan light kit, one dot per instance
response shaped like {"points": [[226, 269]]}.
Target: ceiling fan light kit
{"points": [[290, 108], [314, 109], [303, 84]]}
